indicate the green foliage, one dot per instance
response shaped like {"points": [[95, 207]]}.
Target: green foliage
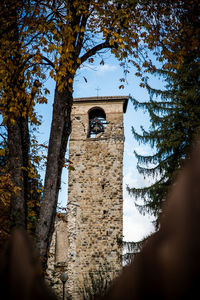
{"points": [[174, 112], [60, 36], [131, 249], [174, 123]]}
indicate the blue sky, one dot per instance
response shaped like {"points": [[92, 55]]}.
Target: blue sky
{"points": [[105, 78]]}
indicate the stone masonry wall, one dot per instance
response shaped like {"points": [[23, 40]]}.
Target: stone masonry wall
{"points": [[94, 195], [57, 260]]}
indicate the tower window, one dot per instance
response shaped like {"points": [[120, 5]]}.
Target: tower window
{"points": [[97, 122]]}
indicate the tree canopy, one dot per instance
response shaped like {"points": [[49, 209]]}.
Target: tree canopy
{"points": [[174, 112], [57, 37], [42, 38]]}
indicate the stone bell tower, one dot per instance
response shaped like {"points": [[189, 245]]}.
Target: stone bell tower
{"points": [[94, 212]]}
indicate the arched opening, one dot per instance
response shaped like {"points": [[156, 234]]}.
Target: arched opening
{"points": [[97, 121]]}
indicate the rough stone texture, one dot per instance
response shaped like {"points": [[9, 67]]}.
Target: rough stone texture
{"points": [[89, 239], [95, 192], [57, 261]]}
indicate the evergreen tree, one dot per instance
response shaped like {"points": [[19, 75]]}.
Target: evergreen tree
{"points": [[175, 112], [175, 120]]}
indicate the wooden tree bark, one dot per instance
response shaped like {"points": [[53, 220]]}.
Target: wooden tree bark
{"points": [[15, 163], [60, 131], [17, 149], [17, 124]]}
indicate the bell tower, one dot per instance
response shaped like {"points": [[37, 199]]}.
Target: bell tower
{"points": [[95, 203]]}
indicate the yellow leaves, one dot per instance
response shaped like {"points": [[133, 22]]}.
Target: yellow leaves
{"points": [[34, 119], [112, 41], [77, 28], [31, 214], [36, 159], [61, 86], [52, 47], [13, 122], [42, 100], [2, 152], [12, 109], [6, 188], [43, 41], [31, 172], [34, 90], [82, 29], [123, 46], [51, 73], [165, 41], [16, 189]]}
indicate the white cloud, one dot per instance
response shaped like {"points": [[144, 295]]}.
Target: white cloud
{"points": [[136, 226], [101, 69], [143, 150]]}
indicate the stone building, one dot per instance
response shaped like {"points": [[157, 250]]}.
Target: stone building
{"points": [[95, 202]]}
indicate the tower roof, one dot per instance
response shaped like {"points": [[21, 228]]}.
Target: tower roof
{"points": [[105, 98]]}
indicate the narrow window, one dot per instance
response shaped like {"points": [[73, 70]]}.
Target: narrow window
{"points": [[97, 122]]}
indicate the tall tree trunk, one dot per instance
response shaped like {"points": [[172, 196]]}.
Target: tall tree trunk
{"points": [[18, 149], [60, 131], [25, 141], [15, 163], [18, 133]]}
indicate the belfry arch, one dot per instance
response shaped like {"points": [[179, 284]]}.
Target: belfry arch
{"points": [[96, 121]]}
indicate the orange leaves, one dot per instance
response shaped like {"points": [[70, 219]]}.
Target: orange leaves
{"points": [[145, 64], [142, 85], [34, 120], [51, 73], [20, 58], [6, 189], [2, 152], [42, 100], [36, 159]]}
